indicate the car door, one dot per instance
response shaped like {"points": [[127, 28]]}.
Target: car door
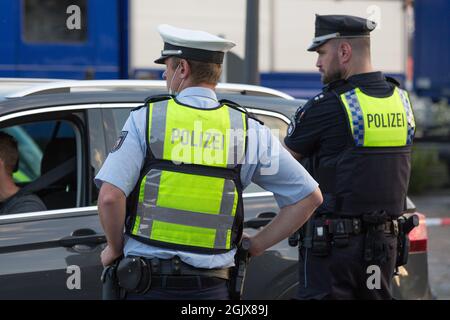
{"points": [[54, 254]]}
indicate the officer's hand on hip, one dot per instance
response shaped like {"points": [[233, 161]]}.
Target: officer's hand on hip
{"points": [[108, 256], [255, 247]]}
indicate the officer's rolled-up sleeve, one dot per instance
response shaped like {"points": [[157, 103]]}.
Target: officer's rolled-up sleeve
{"points": [[123, 164], [276, 170]]}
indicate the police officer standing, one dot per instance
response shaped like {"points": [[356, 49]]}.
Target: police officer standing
{"points": [[356, 138], [175, 177]]}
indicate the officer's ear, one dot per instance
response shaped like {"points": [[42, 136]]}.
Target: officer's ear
{"points": [[344, 51], [185, 68]]}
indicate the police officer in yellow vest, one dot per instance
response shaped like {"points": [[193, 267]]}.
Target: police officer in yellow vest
{"points": [[355, 138], [175, 177]]}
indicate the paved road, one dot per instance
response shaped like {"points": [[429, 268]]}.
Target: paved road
{"points": [[437, 205]]}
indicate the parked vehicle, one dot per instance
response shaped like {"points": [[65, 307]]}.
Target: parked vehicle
{"points": [[39, 251]]}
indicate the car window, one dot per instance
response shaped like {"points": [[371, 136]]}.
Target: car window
{"points": [[120, 116], [276, 125], [44, 148], [278, 128]]}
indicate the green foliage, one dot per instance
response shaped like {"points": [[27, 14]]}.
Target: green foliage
{"points": [[427, 171]]}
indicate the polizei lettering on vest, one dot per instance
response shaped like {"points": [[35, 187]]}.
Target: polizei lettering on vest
{"points": [[199, 139], [386, 120]]}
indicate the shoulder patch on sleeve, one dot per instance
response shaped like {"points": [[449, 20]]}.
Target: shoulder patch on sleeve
{"points": [[295, 119], [119, 141], [299, 113], [291, 127]]}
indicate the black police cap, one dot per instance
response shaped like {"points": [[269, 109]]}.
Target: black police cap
{"points": [[340, 26]]}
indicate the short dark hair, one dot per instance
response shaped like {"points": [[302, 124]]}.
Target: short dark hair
{"points": [[360, 45], [9, 152]]}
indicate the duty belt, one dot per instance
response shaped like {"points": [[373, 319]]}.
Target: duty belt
{"points": [[176, 267], [138, 275], [356, 226]]}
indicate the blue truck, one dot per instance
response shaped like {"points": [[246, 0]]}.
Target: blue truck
{"points": [[51, 39], [39, 39], [432, 48]]}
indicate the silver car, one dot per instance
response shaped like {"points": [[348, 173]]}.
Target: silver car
{"points": [[66, 130]]}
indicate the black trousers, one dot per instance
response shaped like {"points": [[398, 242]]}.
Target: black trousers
{"points": [[217, 292], [344, 274]]}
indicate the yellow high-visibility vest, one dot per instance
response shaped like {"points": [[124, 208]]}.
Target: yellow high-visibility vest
{"points": [[379, 122], [189, 195]]}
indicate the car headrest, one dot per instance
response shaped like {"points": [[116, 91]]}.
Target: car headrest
{"points": [[57, 152]]}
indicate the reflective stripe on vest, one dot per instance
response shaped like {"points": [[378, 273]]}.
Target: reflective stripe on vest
{"points": [[379, 122], [181, 208]]}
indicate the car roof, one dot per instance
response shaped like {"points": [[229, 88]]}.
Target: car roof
{"points": [[129, 84], [284, 106], [9, 86]]}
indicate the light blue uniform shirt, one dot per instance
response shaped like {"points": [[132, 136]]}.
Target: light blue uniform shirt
{"points": [[267, 164]]}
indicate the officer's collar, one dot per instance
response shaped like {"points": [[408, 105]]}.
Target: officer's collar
{"points": [[368, 76], [355, 80], [198, 92]]}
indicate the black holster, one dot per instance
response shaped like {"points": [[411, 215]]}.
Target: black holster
{"points": [[110, 285], [405, 225], [237, 279], [314, 235], [321, 242], [134, 275], [375, 247]]}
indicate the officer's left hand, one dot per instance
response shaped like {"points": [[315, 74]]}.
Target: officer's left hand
{"points": [[108, 256]]}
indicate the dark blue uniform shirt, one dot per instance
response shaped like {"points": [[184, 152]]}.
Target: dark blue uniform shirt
{"points": [[320, 129]]}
